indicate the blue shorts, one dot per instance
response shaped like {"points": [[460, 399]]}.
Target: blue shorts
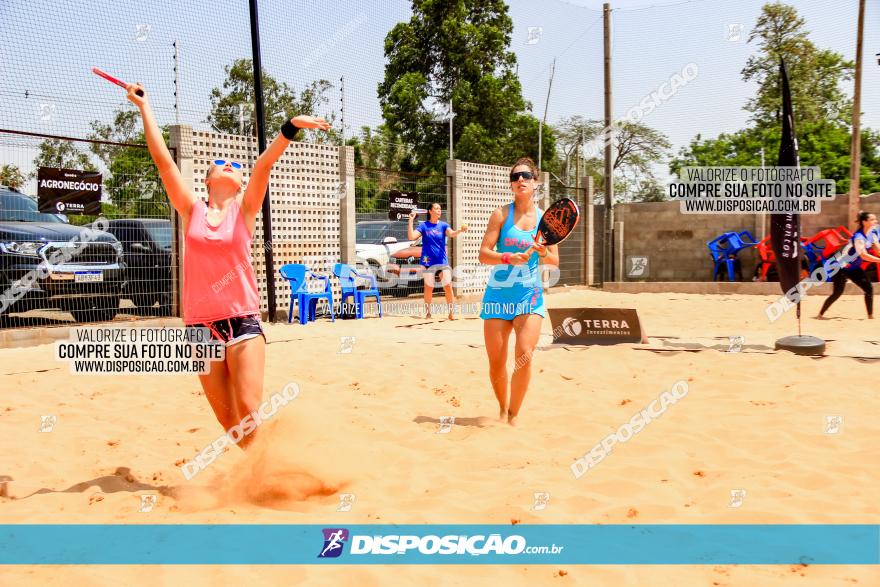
{"points": [[507, 303]]}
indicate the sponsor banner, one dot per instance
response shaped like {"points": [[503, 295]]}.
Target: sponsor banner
{"points": [[785, 228], [595, 325], [68, 191], [701, 544], [400, 204]]}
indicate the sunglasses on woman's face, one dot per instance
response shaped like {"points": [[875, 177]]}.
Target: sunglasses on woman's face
{"points": [[221, 163], [521, 174]]}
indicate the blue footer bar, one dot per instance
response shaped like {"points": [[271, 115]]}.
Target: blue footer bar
{"points": [[171, 544]]}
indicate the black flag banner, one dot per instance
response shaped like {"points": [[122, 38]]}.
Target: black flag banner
{"points": [[785, 228]]}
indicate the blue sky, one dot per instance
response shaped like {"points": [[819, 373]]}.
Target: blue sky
{"points": [[47, 49]]}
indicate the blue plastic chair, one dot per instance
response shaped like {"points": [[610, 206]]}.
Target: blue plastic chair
{"points": [[348, 281], [297, 275], [725, 248]]}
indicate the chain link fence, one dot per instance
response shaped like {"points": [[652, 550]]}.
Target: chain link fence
{"points": [[58, 266]]}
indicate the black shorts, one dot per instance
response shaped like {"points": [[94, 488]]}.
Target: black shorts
{"points": [[232, 330]]}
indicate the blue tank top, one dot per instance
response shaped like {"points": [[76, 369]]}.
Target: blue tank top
{"points": [[515, 240], [858, 261]]}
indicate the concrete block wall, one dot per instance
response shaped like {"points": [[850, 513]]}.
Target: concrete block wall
{"points": [[675, 243]]}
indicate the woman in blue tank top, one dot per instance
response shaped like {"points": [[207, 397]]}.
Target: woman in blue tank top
{"points": [[514, 297], [862, 241]]}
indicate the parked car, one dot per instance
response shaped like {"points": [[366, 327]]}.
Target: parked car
{"points": [[376, 241], [405, 272], [146, 246], [47, 263]]}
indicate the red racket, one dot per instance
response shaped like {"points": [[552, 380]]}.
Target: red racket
{"points": [[114, 80]]}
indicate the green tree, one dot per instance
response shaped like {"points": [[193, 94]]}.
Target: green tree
{"points": [[379, 149], [822, 119], [649, 190], [457, 52], [61, 154], [132, 183], [232, 105], [11, 176], [824, 144], [815, 74], [637, 148]]}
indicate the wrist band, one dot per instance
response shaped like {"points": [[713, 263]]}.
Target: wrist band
{"points": [[289, 130], [505, 258]]}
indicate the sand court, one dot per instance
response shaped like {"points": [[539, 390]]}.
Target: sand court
{"points": [[373, 427]]}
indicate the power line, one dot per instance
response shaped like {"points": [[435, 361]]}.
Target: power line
{"points": [[564, 51]]}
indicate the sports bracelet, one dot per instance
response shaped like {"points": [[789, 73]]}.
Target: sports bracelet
{"points": [[289, 130], [505, 258]]}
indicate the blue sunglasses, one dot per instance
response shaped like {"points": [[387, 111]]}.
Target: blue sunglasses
{"points": [[221, 163]]}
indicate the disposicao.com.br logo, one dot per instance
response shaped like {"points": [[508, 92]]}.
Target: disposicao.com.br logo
{"points": [[460, 544]]}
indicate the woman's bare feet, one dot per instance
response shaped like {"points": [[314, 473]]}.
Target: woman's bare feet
{"points": [[502, 415], [511, 419]]}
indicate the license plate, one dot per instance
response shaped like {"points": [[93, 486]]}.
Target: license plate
{"points": [[88, 276]]}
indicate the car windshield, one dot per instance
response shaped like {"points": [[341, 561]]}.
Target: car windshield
{"points": [[160, 232], [16, 207], [372, 233]]}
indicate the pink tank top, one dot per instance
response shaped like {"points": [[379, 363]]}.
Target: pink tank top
{"points": [[218, 277]]}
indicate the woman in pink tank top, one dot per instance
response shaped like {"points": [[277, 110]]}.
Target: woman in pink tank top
{"points": [[219, 286]]}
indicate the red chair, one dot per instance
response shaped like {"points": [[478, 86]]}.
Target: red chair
{"points": [[834, 239], [767, 258], [819, 247]]}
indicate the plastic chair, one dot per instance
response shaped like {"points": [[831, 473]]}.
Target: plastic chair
{"points": [[822, 245], [348, 281], [767, 258], [724, 249], [297, 275]]}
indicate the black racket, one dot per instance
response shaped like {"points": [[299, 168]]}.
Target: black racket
{"points": [[557, 223]]}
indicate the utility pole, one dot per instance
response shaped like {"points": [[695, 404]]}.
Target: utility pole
{"points": [[763, 214], [176, 82], [240, 119], [607, 244], [544, 120], [342, 110], [451, 115], [856, 148]]}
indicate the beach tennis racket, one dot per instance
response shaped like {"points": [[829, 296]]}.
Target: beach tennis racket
{"points": [[114, 80], [557, 223]]}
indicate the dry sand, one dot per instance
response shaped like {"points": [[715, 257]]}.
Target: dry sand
{"points": [[366, 423]]}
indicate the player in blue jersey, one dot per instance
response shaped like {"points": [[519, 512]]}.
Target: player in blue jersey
{"points": [[862, 241], [434, 259]]}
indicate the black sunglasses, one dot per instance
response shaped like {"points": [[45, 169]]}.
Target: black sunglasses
{"points": [[221, 163], [521, 174]]}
